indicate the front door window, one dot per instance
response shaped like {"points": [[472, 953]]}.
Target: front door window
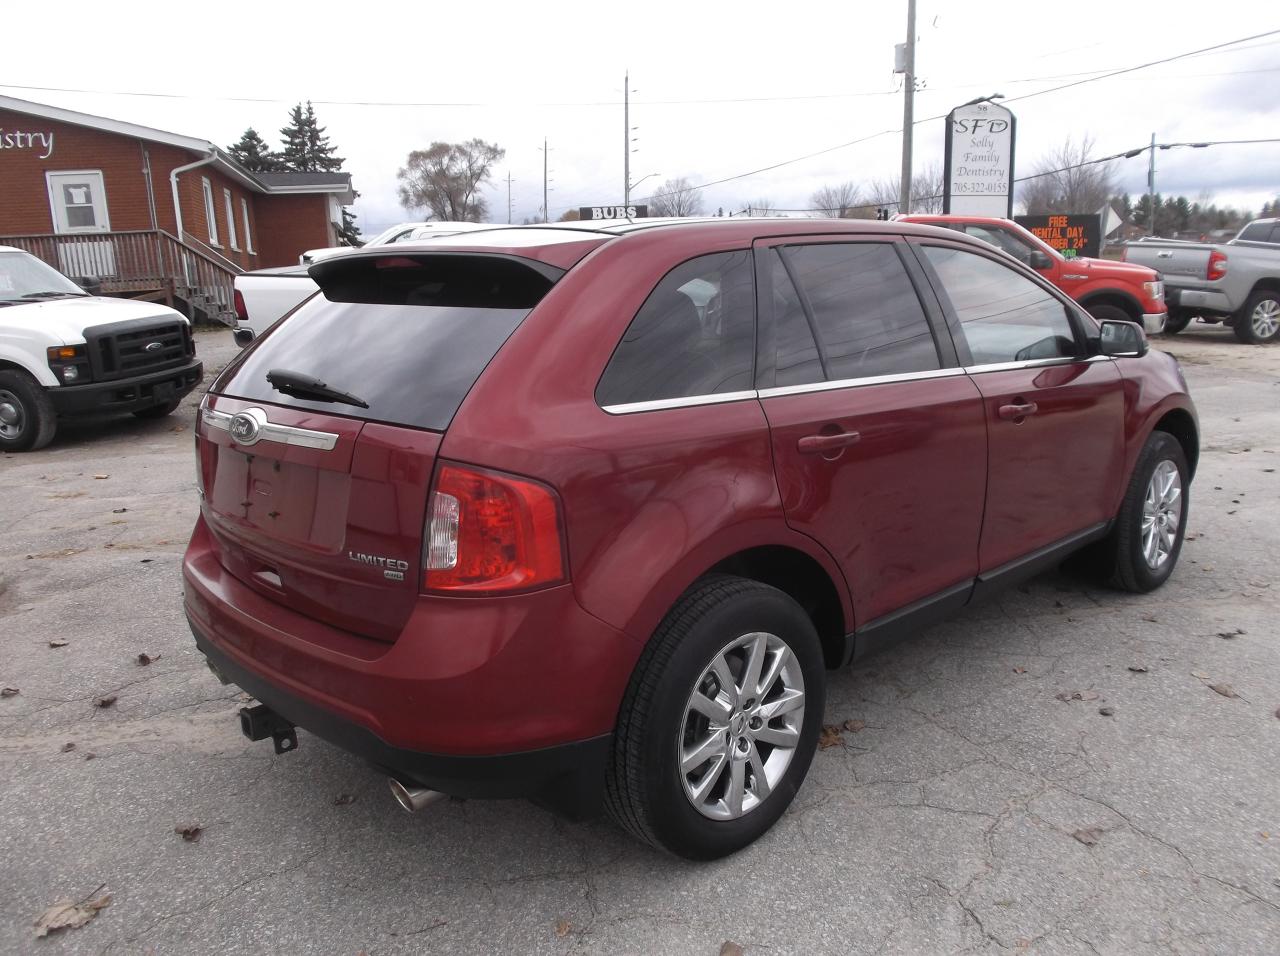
{"points": [[78, 202]]}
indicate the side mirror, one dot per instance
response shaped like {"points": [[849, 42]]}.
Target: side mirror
{"points": [[1039, 260], [90, 284], [242, 336], [1120, 338]]}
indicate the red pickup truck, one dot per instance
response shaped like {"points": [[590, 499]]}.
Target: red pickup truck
{"points": [[1109, 290]]}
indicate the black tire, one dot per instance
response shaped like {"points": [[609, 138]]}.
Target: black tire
{"points": [[1129, 569], [1244, 326], [35, 418], [159, 411], [643, 791], [1177, 321], [1112, 313]]}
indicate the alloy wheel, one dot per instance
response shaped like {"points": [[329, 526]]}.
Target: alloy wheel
{"points": [[1265, 318], [741, 726], [1161, 514], [12, 419]]}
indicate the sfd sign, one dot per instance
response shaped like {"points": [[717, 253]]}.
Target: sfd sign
{"points": [[613, 212]]}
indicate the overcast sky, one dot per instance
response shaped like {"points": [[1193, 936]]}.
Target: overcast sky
{"points": [[776, 81]]}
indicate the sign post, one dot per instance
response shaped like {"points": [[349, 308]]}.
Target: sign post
{"points": [[978, 179]]}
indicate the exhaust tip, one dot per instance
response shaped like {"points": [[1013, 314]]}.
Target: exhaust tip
{"points": [[413, 799]]}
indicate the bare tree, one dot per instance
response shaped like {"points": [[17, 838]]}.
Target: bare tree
{"points": [[1067, 180], [837, 202], [761, 207], [926, 191], [676, 197], [445, 179]]}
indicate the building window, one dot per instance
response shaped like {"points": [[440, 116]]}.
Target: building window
{"points": [[248, 236], [209, 214], [231, 220]]}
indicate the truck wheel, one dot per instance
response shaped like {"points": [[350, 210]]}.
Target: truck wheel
{"points": [[1259, 321], [1111, 313], [1177, 321], [720, 721], [159, 411], [27, 418], [1149, 530]]}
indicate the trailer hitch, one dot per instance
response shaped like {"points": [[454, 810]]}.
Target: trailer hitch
{"points": [[260, 722]]}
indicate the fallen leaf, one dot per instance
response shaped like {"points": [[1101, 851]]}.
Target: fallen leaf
{"points": [[104, 701], [1089, 836], [563, 926], [342, 799], [189, 832], [855, 726], [68, 746], [1058, 604], [1066, 697], [729, 948], [101, 477], [1152, 618], [1223, 689], [65, 914], [1228, 635], [90, 755], [1278, 713], [1106, 711], [9, 692], [1200, 674], [58, 643], [1137, 668], [144, 659], [118, 511], [1019, 670], [829, 737]]}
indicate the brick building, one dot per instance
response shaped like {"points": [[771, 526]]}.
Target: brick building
{"points": [[152, 214]]}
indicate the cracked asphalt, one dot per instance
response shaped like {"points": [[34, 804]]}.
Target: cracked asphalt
{"points": [[975, 799]]}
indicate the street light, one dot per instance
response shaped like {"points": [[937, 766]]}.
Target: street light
{"points": [[638, 182]]}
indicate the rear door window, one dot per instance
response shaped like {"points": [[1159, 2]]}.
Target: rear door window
{"points": [[1003, 315], [847, 311], [694, 335], [406, 334]]}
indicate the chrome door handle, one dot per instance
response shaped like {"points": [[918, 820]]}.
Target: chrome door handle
{"points": [[820, 444], [1017, 412], [1164, 255]]}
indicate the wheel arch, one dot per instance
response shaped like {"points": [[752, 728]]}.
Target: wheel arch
{"points": [[1179, 423], [1114, 297], [1267, 284]]}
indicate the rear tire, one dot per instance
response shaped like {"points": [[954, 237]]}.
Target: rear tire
{"points": [[1147, 539], [1259, 321], [159, 411], [27, 417], [1177, 321], [756, 761]]}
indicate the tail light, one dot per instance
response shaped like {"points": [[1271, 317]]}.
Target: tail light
{"points": [[1217, 264], [489, 533], [242, 314]]}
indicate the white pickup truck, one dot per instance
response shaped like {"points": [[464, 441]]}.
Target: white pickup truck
{"points": [[1236, 283], [265, 295], [65, 353]]}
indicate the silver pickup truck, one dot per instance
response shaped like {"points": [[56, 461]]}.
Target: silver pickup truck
{"points": [[1236, 283]]}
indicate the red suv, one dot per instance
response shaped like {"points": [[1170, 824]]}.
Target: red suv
{"points": [[584, 514]]}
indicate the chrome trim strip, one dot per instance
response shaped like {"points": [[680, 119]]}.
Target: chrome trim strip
{"points": [[859, 382], [268, 430], [1033, 363], [630, 408]]}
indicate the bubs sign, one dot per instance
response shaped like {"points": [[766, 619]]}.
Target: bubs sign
{"points": [[1071, 235], [613, 212], [978, 180]]}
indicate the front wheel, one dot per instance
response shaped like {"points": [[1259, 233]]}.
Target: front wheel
{"points": [[1111, 313], [720, 721], [27, 416], [1149, 530], [1259, 321]]}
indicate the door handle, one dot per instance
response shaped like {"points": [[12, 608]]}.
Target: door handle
{"points": [[1164, 255], [820, 444], [1017, 412]]}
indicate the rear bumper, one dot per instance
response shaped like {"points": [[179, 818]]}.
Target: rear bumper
{"points": [[1197, 300], [476, 698], [1154, 322], [127, 395]]}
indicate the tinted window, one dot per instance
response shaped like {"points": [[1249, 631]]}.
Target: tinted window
{"points": [[1001, 239], [1005, 316], [861, 309], [694, 335], [408, 335], [797, 351], [1260, 232]]}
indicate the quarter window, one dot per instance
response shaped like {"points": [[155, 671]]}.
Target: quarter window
{"points": [[1004, 316], [694, 335], [847, 311]]}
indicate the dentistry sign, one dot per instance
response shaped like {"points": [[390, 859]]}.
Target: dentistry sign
{"points": [[979, 161], [41, 143]]}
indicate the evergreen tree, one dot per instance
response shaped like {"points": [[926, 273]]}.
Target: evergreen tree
{"points": [[348, 233], [252, 153], [306, 147]]}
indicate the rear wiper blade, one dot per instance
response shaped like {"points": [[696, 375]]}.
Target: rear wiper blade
{"points": [[308, 386]]}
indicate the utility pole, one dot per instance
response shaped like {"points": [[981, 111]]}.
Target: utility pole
{"points": [[1151, 188], [908, 109], [546, 210], [626, 138], [508, 197]]}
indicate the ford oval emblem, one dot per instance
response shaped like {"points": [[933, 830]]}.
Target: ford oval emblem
{"points": [[245, 429], [153, 347]]}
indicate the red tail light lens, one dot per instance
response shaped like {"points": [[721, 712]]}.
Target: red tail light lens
{"points": [[1217, 264], [489, 532], [241, 312]]}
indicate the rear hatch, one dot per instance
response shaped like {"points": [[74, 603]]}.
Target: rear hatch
{"points": [[317, 445]]}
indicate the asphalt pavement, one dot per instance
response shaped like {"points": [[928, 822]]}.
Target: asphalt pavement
{"points": [[1065, 769]]}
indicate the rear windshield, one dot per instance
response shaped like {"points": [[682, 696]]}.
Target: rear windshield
{"points": [[407, 335]]}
